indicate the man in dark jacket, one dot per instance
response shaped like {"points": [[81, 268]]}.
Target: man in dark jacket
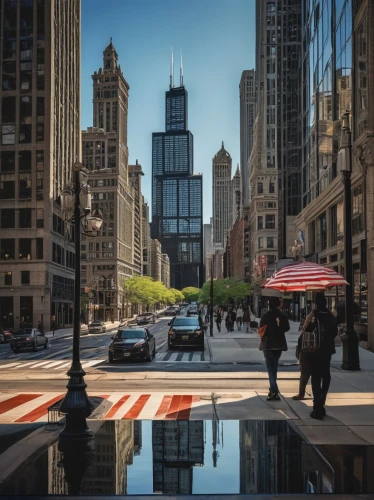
{"points": [[319, 361], [273, 343]]}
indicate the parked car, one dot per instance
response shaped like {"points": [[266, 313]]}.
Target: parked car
{"points": [[97, 327], [28, 338], [5, 335], [185, 331], [132, 343], [171, 311], [192, 311], [146, 318]]}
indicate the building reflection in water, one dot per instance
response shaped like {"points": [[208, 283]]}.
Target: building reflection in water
{"points": [[178, 446], [274, 459]]}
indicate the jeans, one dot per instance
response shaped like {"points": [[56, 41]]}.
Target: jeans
{"points": [[272, 360], [320, 373]]}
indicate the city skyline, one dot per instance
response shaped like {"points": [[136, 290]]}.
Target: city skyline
{"points": [[208, 57]]}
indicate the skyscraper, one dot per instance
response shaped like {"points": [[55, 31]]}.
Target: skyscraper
{"points": [[40, 142], [116, 252], [247, 103], [222, 197], [177, 192], [236, 195]]}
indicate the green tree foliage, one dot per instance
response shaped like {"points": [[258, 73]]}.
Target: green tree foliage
{"points": [[190, 293], [224, 290], [148, 292]]}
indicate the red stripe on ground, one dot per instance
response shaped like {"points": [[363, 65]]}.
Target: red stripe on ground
{"points": [[105, 396], [15, 401], [185, 408], [174, 407], [164, 406], [116, 406], [137, 407], [40, 410]]}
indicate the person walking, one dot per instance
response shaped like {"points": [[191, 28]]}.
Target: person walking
{"points": [[246, 319], [273, 342], [304, 369], [230, 319], [219, 319], [239, 317], [319, 360]]}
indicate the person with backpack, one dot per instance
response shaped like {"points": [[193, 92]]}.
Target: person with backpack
{"points": [[230, 319], [319, 331], [273, 326]]}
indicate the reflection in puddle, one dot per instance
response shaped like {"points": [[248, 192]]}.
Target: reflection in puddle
{"points": [[189, 457]]}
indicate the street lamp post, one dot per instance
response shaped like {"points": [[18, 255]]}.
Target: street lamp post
{"points": [[76, 405], [350, 357]]}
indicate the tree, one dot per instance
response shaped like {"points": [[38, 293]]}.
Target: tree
{"points": [[177, 296], [223, 291], [190, 293], [148, 292]]}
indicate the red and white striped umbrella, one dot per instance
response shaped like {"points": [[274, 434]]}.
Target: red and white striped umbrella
{"points": [[304, 276]]}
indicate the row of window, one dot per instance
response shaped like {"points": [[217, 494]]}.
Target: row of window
{"points": [[269, 222], [270, 242], [25, 278], [28, 249], [25, 161], [260, 187], [9, 220], [9, 185]]}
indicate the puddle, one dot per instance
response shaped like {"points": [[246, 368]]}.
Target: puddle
{"points": [[186, 457]]}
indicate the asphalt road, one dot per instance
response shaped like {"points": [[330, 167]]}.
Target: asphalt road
{"points": [[90, 343]]}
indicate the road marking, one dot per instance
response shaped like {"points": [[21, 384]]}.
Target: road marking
{"points": [[30, 407], [182, 357]]}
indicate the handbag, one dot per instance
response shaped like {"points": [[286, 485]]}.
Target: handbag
{"points": [[261, 331]]}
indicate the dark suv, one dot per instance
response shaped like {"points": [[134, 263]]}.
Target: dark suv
{"points": [[185, 331]]}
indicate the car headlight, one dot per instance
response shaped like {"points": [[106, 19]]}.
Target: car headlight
{"points": [[138, 344], [198, 332]]}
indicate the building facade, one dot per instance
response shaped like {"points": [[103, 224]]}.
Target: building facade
{"points": [[340, 84], [177, 193], [236, 187], [40, 142], [247, 107], [222, 197], [115, 254]]}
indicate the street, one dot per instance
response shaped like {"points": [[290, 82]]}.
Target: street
{"points": [[94, 352]]}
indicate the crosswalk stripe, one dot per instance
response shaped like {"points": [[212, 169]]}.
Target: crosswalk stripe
{"points": [[53, 364], [31, 407], [93, 362]]}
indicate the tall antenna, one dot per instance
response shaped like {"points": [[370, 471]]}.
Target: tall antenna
{"points": [[181, 71], [171, 69]]}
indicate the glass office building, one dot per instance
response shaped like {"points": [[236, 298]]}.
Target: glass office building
{"points": [[177, 194]]}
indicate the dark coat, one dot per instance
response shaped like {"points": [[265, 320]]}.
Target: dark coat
{"points": [[232, 315], [277, 325], [328, 324]]}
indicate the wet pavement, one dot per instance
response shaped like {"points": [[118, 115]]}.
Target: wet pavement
{"points": [[166, 457]]}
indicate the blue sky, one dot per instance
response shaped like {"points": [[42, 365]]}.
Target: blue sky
{"points": [[218, 42]]}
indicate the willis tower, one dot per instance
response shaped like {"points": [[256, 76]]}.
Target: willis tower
{"points": [[177, 191]]}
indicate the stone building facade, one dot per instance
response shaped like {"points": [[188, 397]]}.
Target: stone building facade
{"points": [[115, 254], [40, 142]]}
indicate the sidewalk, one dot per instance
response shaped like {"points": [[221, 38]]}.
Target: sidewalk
{"points": [[243, 348]]}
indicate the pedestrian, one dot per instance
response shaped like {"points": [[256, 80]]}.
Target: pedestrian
{"points": [[219, 319], [239, 317], [40, 327], [246, 319], [273, 342], [304, 370], [230, 319], [53, 327], [323, 323]]}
